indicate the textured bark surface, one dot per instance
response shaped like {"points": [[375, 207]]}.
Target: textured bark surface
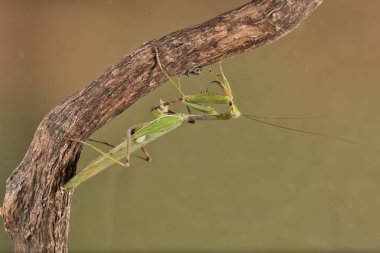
{"points": [[35, 212]]}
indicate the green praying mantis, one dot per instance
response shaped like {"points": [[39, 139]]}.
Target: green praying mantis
{"points": [[166, 121]]}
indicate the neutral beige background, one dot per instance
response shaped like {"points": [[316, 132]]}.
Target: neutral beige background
{"points": [[214, 185]]}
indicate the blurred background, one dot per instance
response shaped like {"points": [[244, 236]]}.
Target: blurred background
{"points": [[212, 186]]}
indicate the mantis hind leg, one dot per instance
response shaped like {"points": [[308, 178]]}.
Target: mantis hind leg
{"points": [[146, 154], [101, 142], [146, 157]]}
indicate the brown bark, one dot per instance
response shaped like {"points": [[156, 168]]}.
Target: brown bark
{"points": [[35, 212]]}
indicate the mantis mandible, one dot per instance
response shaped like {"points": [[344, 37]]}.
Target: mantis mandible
{"points": [[166, 121]]}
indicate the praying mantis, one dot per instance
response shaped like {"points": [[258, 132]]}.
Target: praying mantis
{"points": [[166, 121]]}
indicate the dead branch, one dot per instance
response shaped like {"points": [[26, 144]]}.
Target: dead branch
{"points": [[35, 212]]}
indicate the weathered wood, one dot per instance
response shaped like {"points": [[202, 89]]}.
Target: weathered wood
{"points": [[35, 212]]}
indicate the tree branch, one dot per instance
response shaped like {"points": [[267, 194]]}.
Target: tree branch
{"points": [[35, 212]]}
